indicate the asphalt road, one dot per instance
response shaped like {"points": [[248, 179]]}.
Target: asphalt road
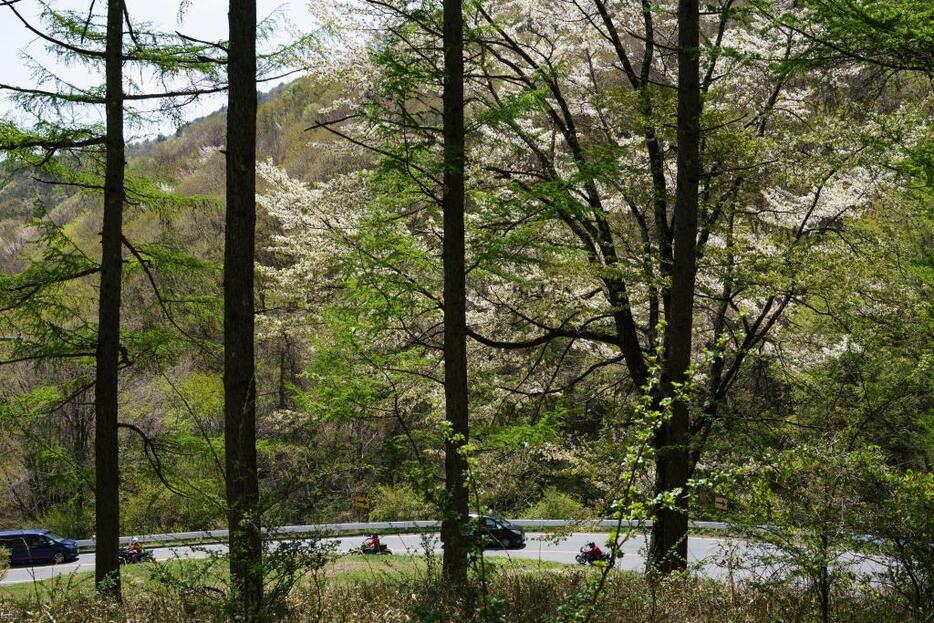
{"points": [[705, 554]]}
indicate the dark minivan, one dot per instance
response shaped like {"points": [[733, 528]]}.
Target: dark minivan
{"points": [[34, 546]]}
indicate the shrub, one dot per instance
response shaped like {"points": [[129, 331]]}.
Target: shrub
{"points": [[898, 515], [153, 508], [555, 504], [398, 503], [799, 505], [4, 561], [71, 520]]}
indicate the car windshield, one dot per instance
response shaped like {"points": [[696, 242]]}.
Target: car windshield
{"points": [[55, 537]]}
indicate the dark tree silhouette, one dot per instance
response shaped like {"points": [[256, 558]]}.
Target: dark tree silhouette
{"points": [[106, 444], [455, 323], [239, 355], [669, 543]]}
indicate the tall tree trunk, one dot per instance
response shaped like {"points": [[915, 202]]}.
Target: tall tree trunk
{"points": [[106, 442], [455, 321], [669, 543], [239, 364]]}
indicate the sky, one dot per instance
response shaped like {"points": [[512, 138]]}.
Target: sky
{"points": [[203, 19]]}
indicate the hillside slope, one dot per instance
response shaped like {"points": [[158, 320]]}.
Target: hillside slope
{"points": [[172, 391], [191, 163]]}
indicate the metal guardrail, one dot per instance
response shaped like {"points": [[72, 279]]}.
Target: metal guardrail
{"points": [[214, 536]]}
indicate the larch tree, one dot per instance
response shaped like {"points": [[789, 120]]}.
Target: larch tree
{"points": [[164, 60], [106, 442], [239, 352], [80, 38]]}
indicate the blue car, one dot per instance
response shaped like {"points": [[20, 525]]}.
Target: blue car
{"points": [[37, 546]]}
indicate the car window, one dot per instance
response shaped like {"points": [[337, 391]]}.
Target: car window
{"points": [[36, 540], [11, 543], [54, 537], [489, 523]]}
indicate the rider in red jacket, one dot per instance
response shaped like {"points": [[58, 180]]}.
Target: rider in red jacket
{"points": [[372, 543], [592, 552]]}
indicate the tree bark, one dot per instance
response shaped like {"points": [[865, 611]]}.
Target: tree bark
{"points": [[106, 442], [246, 571], [455, 517], [669, 543]]}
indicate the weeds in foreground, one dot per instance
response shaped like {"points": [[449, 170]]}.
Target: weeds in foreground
{"points": [[517, 595]]}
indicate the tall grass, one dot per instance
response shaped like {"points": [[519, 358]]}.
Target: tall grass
{"points": [[516, 595]]}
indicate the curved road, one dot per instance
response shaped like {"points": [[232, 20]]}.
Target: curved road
{"points": [[702, 551]]}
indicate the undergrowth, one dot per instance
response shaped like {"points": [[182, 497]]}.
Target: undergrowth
{"points": [[515, 595]]}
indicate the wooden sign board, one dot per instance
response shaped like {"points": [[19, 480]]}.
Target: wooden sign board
{"points": [[720, 503]]}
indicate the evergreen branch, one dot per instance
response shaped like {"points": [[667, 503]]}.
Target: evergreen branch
{"points": [[48, 38], [51, 145], [44, 356], [34, 287], [181, 58], [212, 44], [67, 97]]}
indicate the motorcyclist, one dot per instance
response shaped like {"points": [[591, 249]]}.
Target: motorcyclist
{"points": [[135, 548], [592, 552], [372, 544]]}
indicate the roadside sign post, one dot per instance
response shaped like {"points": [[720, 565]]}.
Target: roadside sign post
{"points": [[362, 504]]}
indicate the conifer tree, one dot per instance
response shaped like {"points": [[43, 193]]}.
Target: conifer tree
{"points": [[79, 38], [239, 355], [106, 442]]}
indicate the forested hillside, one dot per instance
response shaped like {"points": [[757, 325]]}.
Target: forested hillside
{"points": [[322, 409], [658, 264], [46, 466]]}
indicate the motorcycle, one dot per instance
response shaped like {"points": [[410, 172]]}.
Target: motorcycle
{"points": [[128, 557], [382, 550], [586, 558]]}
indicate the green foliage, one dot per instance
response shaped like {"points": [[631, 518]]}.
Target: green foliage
{"points": [[72, 516], [348, 351], [544, 429], [4, 561], [803, 505], [555, 504], [151, 508], [897, 34], [897, 513], [398, 503]]}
